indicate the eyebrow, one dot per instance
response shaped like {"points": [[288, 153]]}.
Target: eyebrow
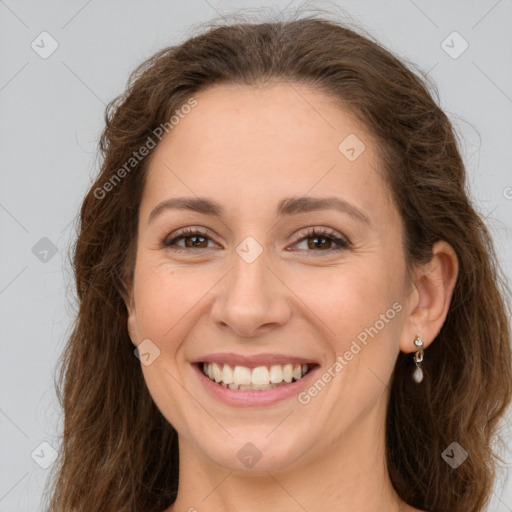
{"points": [[286, 207]]}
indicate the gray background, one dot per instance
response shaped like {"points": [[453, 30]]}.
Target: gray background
{"points": [[51, 117]]}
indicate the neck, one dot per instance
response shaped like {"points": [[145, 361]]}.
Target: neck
{"points": [[349, 475]]}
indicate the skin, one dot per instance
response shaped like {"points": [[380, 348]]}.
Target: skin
{"points": [[248, 148]]}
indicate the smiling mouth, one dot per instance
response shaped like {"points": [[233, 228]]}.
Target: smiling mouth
{"points": [[260, 378]]}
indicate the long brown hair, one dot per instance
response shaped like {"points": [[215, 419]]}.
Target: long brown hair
{"points": [[118, 452]]}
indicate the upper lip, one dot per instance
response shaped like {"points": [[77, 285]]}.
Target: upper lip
{"points": [[252, 361]]}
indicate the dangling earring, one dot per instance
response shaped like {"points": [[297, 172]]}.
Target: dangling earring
{"points": [[418, 358]]}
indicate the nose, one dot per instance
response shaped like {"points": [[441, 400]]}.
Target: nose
{"points": [[251, 299]]}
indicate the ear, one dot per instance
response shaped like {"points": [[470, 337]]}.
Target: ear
{"points": [[430, 299], [131, 323]]}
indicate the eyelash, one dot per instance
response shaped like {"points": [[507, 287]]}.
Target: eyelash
{"points": [[328, 234]]}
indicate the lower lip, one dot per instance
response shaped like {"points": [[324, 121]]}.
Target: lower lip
{"points": [[254, 398]]}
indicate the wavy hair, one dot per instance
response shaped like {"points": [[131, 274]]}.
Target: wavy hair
{"points": [[118, 453]]}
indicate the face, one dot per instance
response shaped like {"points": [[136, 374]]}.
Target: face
{"points": [[252, 270]]}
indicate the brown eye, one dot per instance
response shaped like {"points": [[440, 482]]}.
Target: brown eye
{"points": [[320, 242], [193, 238], [195, 241], [323, 241]]}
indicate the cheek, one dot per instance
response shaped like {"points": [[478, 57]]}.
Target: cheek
{"points": [[164, 296], [171, 300], [345, 300]]}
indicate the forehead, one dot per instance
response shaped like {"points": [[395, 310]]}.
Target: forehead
{"points": [[281, 118], [248, 143]]}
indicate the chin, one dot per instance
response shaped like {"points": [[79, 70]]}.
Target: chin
{"points": [[251, 451]]}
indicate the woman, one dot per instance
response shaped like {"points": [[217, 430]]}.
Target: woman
{"points": [[282, 232]]}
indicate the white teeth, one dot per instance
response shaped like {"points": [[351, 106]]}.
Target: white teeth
{"points": [[256, 387], [217, 372], [227, 374], [260, 375], [259, 378], [276, 374], [287, 372], [242, 375]]}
